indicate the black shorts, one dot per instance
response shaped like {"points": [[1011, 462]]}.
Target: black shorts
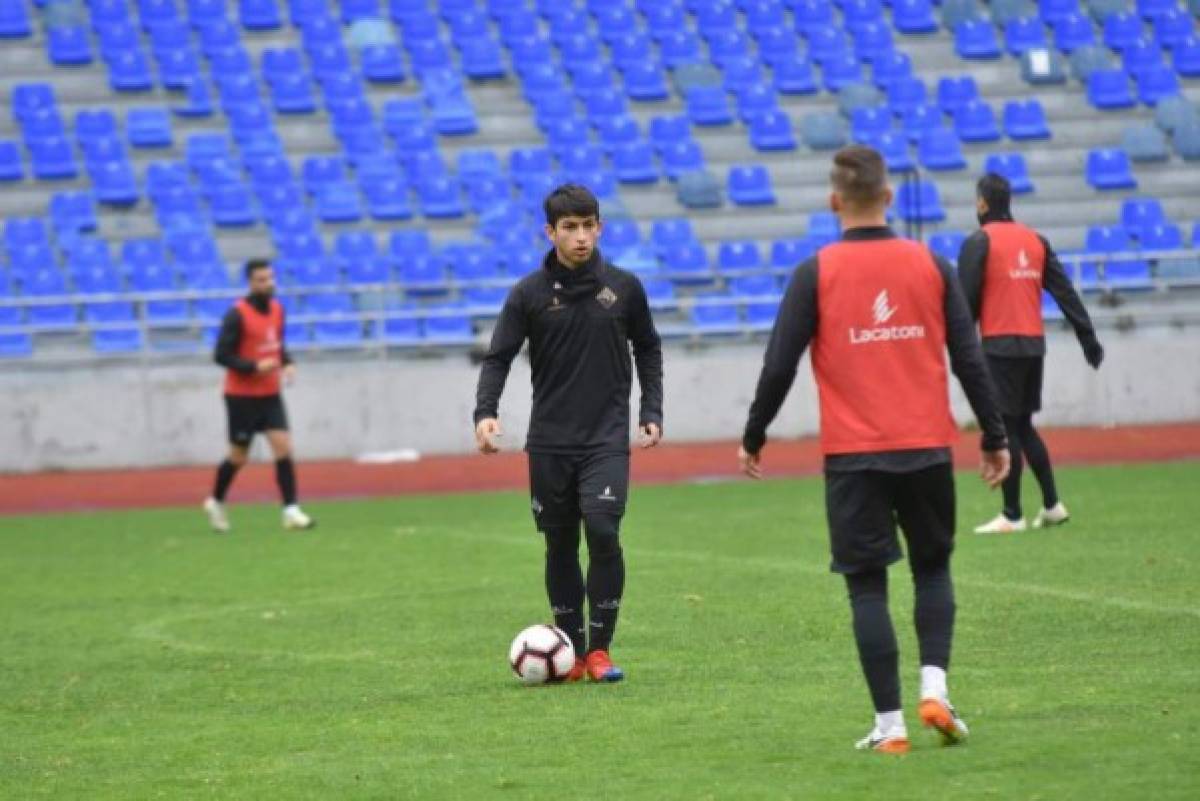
{"points": [[1018, 382], [565, 487], [247, 415], [864, 506]]}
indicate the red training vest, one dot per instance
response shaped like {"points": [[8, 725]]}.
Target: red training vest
{"points": [[262, 338], [1012, 282], [879, 350]]}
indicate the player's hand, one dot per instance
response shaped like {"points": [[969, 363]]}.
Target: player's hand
{"points": [[267, 365], [995, 467], [1094, 353], [751, 463], [649, 435], [289, 373], [487, 431]]}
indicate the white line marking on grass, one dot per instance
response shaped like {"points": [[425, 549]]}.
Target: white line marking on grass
{"points": [[792, 565]]}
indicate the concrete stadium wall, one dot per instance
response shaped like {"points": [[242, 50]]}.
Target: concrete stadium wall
{"points": [[132, 415]]}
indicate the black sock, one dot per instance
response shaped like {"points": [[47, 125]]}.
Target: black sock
{"points": [[285, 477], [226, 470], [875, 637], [564, 584], [1012, 485], [1039, 462], [933, 613], [605, 579]]}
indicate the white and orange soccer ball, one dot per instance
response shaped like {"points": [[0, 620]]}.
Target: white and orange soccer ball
{"points": [[541, 654]]}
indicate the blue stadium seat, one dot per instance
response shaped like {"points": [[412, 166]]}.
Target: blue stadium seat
{"points": [[955, 11], [699, 189], [1110, 89], [1088, 59], [738, 256], [750, 185], [1025, 120], [1109, 169], [894, 147], [1013, 167], [52, 159], [72, 212], [1160, 236], [954, 92], [148, 127], [1122, 29], [867, 124], [1138, 213], [1145, 142], [716, 317], [634, 163], [890, 68], [1051, 11], [11, 166], [976, 39], [671, 232], [687, 264], [947, 244], [14, 21], [1141, 56], [645, 81], [1072, 32], [976, 122], [116, 341], [858, 95], [448, 324], [794, 76], [872, 38], [115, 183], [905, 94], [762, 285], [129, 71], [423, 274], [1186, 58], [681, 157], [1173, 27], [754, 101], [787, 254], [823, 130], [1156, 83], [708, 106], [919, 201], [919, 119], [1186, 140], [772, 131], [939, 149], [68, 45]]}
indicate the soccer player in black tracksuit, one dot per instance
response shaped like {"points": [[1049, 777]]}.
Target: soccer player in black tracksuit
{"points": [[881, 313], [580, 315], [1003, 268]]}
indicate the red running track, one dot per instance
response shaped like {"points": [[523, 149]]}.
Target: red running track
{"points": [[184, 486]]}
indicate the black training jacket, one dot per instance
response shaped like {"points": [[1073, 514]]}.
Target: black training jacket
{"points": [[580, 324]]}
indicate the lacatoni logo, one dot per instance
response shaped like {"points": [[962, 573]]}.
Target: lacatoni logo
{"points": [[881, 312], [1023, 270]]}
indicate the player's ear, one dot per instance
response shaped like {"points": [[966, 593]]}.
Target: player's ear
{"points": [[888, 195], [835, 202], [550, 232]]}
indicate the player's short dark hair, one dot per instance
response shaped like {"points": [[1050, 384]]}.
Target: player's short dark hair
{"points": [[995, 191], [859, 175], [570, 200], [254, 265]]}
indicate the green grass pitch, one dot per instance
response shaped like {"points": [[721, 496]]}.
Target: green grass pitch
{"points": [[143, 657]]}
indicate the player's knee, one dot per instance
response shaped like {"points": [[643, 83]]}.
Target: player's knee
{"points": [[238, 458], [603, 535], [562, 542]]}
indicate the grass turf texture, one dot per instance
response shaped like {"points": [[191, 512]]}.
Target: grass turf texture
{"points": [[143, 657]]}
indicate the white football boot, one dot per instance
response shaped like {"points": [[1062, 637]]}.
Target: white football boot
{"points": [[216, 515], [1001, 525], [1056, 515], [294, 519]]}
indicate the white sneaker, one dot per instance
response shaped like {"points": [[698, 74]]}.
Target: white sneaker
{"points": [[1001, 525], [295, 519], [940, 715], [216, 515], [893, 742], [1054, 516]]}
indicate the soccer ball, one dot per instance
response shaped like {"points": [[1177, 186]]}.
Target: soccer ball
{"points": [[541, 654]]}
